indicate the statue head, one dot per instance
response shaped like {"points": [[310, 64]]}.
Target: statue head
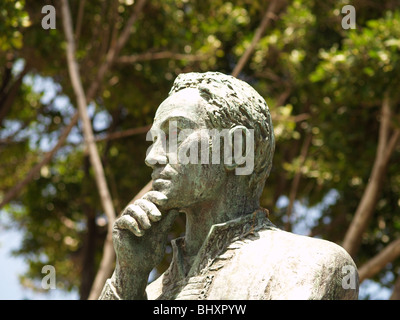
{"points": [[203, 109]]}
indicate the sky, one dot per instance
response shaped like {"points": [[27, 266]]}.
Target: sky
{"points": [[11, 267]]}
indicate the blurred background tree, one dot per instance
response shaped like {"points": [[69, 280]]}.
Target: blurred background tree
{"points": [[333, 95]]}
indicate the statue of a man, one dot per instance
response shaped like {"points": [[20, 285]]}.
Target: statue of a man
{"points": [[230, 249]]}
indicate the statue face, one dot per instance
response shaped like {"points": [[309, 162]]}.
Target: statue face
{"points": [[185, 183]]}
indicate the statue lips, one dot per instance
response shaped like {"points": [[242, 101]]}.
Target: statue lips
{"points": [[160, 180], [162, 173], [159, 176]]}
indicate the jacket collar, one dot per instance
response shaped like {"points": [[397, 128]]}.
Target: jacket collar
{"points": [[218, 239]]}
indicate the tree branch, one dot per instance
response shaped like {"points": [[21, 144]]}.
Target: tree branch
{"points": [[116, 48], [8, 95], [283, 97], [123, 134], [268, 16], [396, 290], [385, 125], [106, 265], [14, 192], [79, 20], [391, 145], [377, 263], [366, 207], [105, 197], [82, 106], [148, 56], [296, 181]]}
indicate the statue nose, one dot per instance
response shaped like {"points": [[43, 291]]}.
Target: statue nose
{"points": [[156, 154]]}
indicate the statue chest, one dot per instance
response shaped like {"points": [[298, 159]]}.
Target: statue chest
{"points": [[221, 277]]}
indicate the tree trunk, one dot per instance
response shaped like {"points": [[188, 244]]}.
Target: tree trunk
{"points": [[88, 255], [105, 197], [89, 244], [8, 95], [366, 207]]}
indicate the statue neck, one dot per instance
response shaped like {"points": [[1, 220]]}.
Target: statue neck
{"points": [[200, 218]]}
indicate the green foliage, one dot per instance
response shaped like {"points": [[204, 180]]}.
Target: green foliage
{"points": [[319, 80], [14, 18], [367, 61]]}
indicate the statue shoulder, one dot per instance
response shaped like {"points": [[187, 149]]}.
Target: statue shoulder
{"points": [[306, 249], [302, 267]]}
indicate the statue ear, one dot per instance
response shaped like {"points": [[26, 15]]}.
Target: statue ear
{"points": [[235, 147]]}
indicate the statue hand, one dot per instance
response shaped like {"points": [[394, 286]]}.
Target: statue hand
{"points": [[140, 233]]}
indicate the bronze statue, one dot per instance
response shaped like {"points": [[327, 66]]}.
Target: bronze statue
{"points": [[230, 249]]}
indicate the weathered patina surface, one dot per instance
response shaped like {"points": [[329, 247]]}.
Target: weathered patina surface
{"points": [[230, 249]]}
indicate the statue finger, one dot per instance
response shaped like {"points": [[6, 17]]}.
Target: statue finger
{"points": [[155, 197], [127, 222], [139, 214], [150, 208]]}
